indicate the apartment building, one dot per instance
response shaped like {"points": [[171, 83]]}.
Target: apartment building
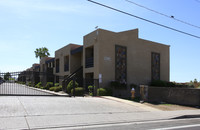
{"points": [[46, 70], [67, 60], [124, 57], [107, 56], [119, 56]]}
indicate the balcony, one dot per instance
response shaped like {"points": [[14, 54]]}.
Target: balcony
{"points": [[66, 67], [89, 62]]}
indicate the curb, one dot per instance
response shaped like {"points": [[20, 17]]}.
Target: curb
{"points": [[142, 106], [48, 91]]}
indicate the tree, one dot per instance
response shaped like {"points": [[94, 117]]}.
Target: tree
{"points": [[7, 76], [41, 52], [195, 81]]}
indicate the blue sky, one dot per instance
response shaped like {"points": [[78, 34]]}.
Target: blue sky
{"points": [[29, 24]]}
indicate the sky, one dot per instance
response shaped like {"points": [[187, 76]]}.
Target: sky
{"points": [[29, 24]]}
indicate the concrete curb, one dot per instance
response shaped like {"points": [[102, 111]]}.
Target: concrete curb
{"points": [[48, 91], [142, 106]]}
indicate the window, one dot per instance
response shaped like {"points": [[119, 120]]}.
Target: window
{"points": [[120, 64], [155, 66]]}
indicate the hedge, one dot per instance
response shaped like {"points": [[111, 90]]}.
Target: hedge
{"points": [[78, 91]]}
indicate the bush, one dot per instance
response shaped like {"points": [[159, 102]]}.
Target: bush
{"points": [[29, 84], [57, 89], [70, 86], [91, 90], [160, 83], [114, 84], [48, 85], [39, 85], [21, 82], [133, 86], [52, 88], [109, 92], [101, 92], [118, 85], [78, 91], [56, 84]]}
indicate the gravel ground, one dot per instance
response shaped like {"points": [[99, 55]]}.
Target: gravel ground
{"points": [[170, 107]]}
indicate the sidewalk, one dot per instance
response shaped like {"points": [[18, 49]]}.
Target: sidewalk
{"points": [[63, 112]]}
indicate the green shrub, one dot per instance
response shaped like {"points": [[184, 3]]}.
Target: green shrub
{"points": [[19, 82], [70, 86], [101, 92], [56, 84], [160, 83], [78, 91], [48, 85], [91, 90], [114, 84], [39, 85], [133, 86], [52, 88], [109, 92], [118, 85], [57, 89], [29, 84]]}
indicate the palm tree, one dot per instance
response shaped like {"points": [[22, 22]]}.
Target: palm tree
{"points": [[41, 52]]}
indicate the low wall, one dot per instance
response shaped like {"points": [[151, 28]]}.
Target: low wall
{"points": [[125, 93], [182, 96]]}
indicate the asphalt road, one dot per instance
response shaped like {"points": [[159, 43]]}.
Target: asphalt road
{"points": [[49, 112], [174, 124], [18, 89]]}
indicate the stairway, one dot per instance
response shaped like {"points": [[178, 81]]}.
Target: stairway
{"points": [[76, 75]]}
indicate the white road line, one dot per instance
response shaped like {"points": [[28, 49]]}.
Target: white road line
{"points": [[177, 127]]}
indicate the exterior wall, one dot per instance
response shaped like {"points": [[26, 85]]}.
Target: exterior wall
{"points": [[138, 56], [43, 70], [88, 41], [182, 96], [74, 60]]}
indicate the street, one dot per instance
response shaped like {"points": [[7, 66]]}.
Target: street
{"points": [[19, 89], [47, 112], [178, 124]]}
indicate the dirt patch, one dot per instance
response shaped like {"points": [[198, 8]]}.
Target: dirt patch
{"points": [[170, 107]]}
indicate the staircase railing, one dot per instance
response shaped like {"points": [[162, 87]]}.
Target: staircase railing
{"points": [[78, 75]]}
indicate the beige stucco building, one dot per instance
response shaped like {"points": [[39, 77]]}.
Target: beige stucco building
{"points": [[67, 62], [46, 70], [120, 56]]}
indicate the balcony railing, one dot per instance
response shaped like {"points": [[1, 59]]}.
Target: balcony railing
{"points": [[66, 67], [89, 62]]}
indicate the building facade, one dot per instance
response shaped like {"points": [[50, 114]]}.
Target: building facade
{"points": [[124, 57], [108, 56]]}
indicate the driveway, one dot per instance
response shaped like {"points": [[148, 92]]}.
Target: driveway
{"points": [[20, 112], [19, 89]]}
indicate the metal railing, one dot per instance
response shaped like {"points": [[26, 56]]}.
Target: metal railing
{"points": [[21, 84], [89, 62]]}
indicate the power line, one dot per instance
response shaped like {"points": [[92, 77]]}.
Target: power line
{"points": [[171, 17], [144, 19]]}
